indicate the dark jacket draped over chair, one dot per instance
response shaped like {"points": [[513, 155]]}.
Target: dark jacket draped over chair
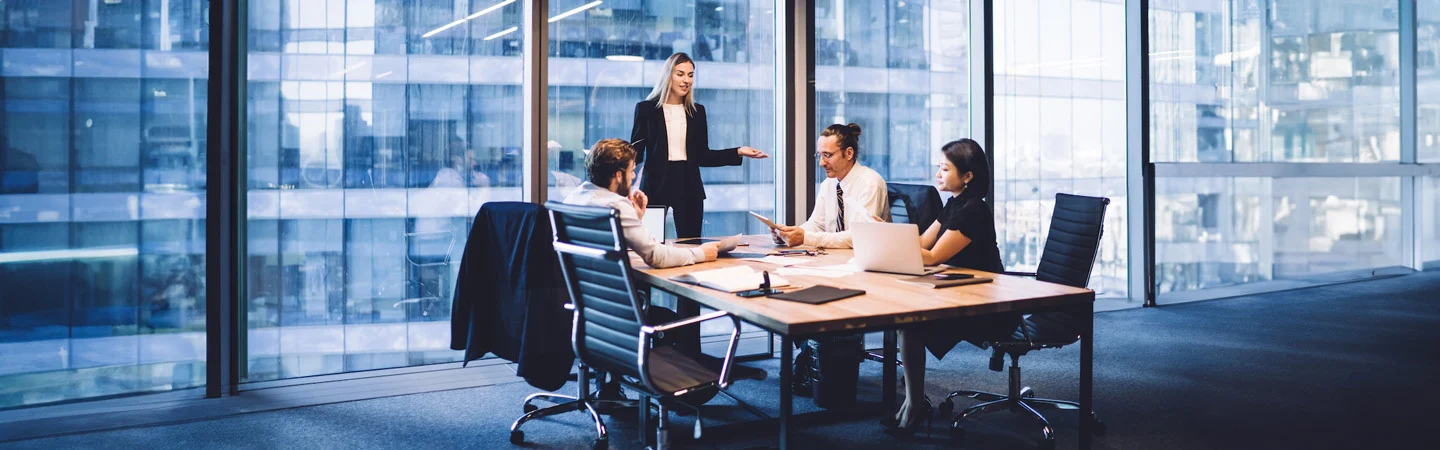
{"points": [[510, 295]]}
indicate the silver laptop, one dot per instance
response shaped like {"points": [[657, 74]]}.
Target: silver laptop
{"points": [[887, 247]]}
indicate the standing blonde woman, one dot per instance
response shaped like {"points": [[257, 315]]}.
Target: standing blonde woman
{"points": [[672, 143]]}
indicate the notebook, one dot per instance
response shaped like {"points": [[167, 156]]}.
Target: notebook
{"points": [[730, 279], [818, 294], [933, 283]]}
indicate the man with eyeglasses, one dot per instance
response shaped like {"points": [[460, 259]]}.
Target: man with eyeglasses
{"points": [[851, 193]]}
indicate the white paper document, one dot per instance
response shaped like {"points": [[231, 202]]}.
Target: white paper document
{"points": [[811, 272], [729, 244], [730, 279], [785, 260]]}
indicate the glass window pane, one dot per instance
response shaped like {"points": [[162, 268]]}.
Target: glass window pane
{"points": [[604, 59], [1293, 81], [1427, 77], [102, 183], [908, 103], [366, 167], [1222, 231], [1060, 126]]}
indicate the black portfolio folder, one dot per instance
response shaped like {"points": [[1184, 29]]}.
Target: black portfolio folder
{"points": [[818, 294]]}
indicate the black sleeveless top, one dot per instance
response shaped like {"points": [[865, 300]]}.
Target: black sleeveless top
{"points": [[972, 217]]}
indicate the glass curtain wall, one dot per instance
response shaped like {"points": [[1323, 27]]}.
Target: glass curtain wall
{"points": [[606, 56], [899, 69], [376, 130], [102, 188], [1427, 66], [1060, 126], [1276, 82]]}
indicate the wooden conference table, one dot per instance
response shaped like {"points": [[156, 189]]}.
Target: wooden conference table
{"points": [[886, 306]]}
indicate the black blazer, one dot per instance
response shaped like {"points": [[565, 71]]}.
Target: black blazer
{"points": [[652, 144], [510, 297]]}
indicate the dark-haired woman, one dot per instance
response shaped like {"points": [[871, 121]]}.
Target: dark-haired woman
{"points": [[963, 236], [671, 137]]}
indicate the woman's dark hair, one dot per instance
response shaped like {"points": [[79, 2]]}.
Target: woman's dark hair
{"points": [[849, 137], [967, 156], [607, 158]]}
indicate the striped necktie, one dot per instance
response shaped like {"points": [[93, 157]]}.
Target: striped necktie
{"points": [[840, 199]]}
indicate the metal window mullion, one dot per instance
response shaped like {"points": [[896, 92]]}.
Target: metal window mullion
{"points": [[225, 198], [536, 44], [1411, 209], [1139, 172], [799, 62], [982, 81]]}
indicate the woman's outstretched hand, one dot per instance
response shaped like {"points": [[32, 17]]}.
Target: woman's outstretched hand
{"points": [[752, 152]]}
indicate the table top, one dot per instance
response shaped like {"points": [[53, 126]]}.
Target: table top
{"points": [[886, 303]]}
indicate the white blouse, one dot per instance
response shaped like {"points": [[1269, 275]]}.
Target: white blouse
{"points": [[675, 122]]}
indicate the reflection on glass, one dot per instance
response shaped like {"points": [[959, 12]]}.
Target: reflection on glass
{"points": [[1293, 81], [1427, 78], [377, 129], [605, 58], [1060, 126], [904, 78], [1430, 222], [1222, 231], [102, 178]]}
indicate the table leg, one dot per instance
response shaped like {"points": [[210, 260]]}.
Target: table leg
{"points": [[787, 356], [887, 378], [1087, 356]]}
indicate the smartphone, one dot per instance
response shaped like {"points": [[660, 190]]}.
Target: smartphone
{"points": [[758, 292], [952, 276]]}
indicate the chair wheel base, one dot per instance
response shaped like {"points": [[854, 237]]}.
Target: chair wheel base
{"points": [[601, 444], [517, 437], [1048, 444]]}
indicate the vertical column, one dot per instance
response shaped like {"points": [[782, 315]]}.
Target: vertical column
{"points": [[1411, 209], [225, 198], [982, 80], [798, 119], [536, 30], [1139, 172]]}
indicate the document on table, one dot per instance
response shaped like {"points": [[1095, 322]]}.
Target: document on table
{"points": [[785, 261], [835, 271]]}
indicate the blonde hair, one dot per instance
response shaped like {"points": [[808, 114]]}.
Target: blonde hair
{"points": [[661, 93]]}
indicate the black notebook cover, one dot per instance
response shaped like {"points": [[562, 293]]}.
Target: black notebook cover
{"points": [[818, 294]]}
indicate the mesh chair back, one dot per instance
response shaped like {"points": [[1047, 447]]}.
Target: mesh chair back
{"points": [[900, 209], [1074, 240], [914, 203], [596, 265]]}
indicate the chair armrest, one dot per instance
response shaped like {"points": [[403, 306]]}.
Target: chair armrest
{"points": [[683, 322], [729, 349], [1020, 274]]}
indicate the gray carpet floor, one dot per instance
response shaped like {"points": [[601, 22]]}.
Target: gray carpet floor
{"points": [[1343, 366]]}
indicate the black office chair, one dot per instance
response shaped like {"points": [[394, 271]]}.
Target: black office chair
{"points": [[1070, 250], [610, 332]]}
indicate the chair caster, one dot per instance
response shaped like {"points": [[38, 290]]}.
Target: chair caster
{"points": [[601, 444], [517, 437], [529, 408], [947, 408], [1048, 444], [1097, 427], [957, 435]]}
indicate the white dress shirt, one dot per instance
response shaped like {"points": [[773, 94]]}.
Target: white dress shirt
{"points": [[652, 251], [675, 123], [865, 196]]}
